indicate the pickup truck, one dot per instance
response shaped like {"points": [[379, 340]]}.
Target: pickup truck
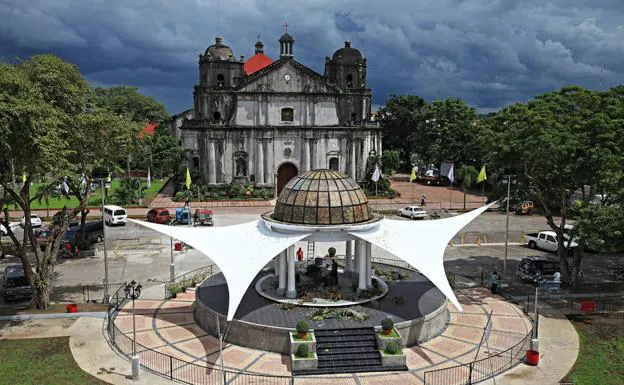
{"points": [[545, 240]]}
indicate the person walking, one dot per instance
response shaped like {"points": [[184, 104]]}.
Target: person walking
{"points": [[423, 200], [494, 282]]}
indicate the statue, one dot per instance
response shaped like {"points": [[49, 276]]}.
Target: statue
{"points": [[241, 169]]}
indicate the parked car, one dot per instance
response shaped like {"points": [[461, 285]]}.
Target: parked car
{"points": [[94, 232], [159, 215], [35, 221], [413, 212], [14, 283], [546, 240], [115, 215], [534, 269], [202, 217]]}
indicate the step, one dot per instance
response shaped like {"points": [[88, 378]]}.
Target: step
{"points": [[346, 344], [345, 338], [354, 369], [346, 350], [349, 363], [343, 332], [371, 355]]}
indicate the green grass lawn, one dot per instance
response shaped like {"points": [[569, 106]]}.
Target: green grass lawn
{"points": [[601, 358], [95, 198], [41, 361]]}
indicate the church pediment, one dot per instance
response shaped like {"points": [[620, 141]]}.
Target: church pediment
{"points": [[287, 76]]}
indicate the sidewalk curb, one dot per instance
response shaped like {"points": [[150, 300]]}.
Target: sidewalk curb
{"points": [[26, 317]]}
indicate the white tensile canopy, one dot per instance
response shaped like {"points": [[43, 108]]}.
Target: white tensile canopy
{"points": [[241, 251]]}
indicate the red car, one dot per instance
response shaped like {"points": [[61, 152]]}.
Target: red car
{"points": [[159, 215]]}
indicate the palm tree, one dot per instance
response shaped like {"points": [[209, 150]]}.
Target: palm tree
{"points": [[467, 174]]}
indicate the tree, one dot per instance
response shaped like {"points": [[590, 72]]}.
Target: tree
{"points": [[401, 116], [559, 143], [38, 100], [128, 101], [391, 160], [467, 175], [49, 129]]}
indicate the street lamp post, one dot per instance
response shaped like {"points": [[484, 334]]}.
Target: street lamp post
{"points": [[133, 291], [106, 292], [504, 280]]}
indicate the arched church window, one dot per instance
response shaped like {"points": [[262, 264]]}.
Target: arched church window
{"points": [[220, 81], [333, 164], [216, 116], [349, 81], [288, 114], [353, 117], [195, 163]]}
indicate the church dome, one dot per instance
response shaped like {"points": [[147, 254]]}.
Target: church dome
{"points": [[349, 55], [322, 197], [219, 51]]}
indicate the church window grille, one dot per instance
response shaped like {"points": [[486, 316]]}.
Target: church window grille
{"points": [[349, 81], [220, 81], [288, 114]]}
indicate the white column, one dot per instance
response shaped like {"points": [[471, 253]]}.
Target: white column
{"points": [[312, 143], [268, 163], [369, 252], [306, 155], [352, 165], [356, 260], [260, 163], [362, 265], [282, 273], [276, 266], [291, 292], [349, 256], [212, 167], [342, 164]]}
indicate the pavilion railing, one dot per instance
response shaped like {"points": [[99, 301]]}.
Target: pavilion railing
{"points": [[196, 276]]}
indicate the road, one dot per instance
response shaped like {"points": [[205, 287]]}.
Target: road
{"points": [[135, 252]]}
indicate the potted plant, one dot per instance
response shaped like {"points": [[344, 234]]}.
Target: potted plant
{"points": [[302, 329], [392, 355], [303, 359], [387, 324]]}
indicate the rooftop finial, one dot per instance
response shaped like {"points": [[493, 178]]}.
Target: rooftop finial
{"points": [[285, 25]]}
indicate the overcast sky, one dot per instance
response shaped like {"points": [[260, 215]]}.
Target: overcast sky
{"points": [[490, 53]]}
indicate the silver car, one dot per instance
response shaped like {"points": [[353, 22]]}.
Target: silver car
{"points": [[413, 212]]}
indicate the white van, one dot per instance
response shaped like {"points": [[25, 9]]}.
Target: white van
{"points": [[115, 215]]}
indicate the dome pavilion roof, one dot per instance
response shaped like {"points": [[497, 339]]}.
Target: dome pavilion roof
{"points": [[322, 197]]}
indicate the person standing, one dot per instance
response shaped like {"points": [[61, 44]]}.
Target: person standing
{"points": [[423, 200], [300, 254], [494, 282]]}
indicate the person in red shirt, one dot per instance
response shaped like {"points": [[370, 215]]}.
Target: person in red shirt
{"points": [[300, 254]]}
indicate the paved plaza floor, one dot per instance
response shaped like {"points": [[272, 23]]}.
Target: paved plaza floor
{"points": [[168, 327]]}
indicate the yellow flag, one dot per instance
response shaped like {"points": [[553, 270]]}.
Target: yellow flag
{"points": [[482, 175], [413, 176], [188, 179]]}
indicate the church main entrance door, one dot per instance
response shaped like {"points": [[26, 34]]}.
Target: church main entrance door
{"points": [[285, 172]]}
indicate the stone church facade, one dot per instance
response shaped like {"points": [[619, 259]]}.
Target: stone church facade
{"points": [[269, 123]]}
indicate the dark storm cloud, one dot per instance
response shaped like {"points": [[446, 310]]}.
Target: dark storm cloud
{"points": [[489, 52]]}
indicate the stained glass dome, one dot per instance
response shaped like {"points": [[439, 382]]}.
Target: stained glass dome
{"points": [[322, 197]]}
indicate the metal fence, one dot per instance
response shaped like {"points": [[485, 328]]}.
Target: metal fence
{"points": [[480, 370], [193, 277], [174, 368]]}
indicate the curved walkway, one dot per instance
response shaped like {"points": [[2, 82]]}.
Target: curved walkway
{"points": [[168, 327]]}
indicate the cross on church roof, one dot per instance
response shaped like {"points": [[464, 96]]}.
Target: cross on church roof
{"points": [[285, 25]]}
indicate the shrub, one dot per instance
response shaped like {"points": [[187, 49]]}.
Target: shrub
{"points": [[179, 196], [174, 290], [391, 348], [387, 324], [302, 327], [302, 351]]}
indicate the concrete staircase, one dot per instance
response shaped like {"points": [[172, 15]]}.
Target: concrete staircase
{"points": [[347, 351]]}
